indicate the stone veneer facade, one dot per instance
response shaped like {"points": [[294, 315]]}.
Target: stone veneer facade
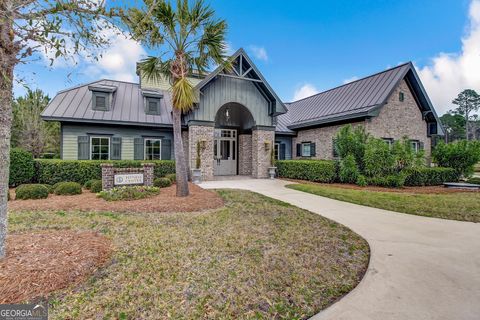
{"points": [[262, 144], [245, 154], [204, 134], [395, 120]]}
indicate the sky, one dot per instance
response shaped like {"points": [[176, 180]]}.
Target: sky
{"points": [[305, 47]]}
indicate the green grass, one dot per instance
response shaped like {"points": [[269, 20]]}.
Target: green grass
{"points": [[255, 258], [455, 206]]}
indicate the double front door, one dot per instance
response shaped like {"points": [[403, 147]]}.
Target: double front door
{"points": [[225, 152]]}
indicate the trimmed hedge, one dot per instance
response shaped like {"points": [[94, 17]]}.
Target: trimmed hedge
{"points": [[22, 168], [311, 170], [96, 186], [31, 191], [172, 177], [430, 176], [52, 171], [162, 182], [389, 181], [68, 188]]}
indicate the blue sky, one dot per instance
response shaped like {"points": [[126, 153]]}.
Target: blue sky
{"points": [[303, 47]]}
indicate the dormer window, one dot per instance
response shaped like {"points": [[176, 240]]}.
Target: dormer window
{"points": [[152, 101], [102, 97]]}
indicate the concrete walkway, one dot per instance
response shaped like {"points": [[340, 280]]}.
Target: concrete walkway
{"points": [[420, 268]]}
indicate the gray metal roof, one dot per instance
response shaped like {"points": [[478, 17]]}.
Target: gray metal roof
{"points": [[355, 99], [75, 104]]}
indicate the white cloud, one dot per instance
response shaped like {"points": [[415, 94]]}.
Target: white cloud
{"points": [[259, 52], [350, 79], [451, 73], [304, 91]]}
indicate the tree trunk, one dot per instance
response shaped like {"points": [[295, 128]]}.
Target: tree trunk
{"points": [[180, 161], [466, 125]]}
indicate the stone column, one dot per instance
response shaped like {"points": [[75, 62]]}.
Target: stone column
{"points": [[245, 154], [107, 176], [262, 144], [148, 174], [204, 134]]}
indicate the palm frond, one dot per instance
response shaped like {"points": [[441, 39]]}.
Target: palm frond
{"points": [[153, 68], [183, 95]]}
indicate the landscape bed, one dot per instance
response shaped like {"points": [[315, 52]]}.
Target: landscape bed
{"points": [[253, 258], [437, 202]]}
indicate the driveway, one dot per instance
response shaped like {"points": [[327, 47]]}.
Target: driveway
{"points": [[420, 268]]}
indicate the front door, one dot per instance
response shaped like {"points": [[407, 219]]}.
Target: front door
{"points": [[225, 152]]}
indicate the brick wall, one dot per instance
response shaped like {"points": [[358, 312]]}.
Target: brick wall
{"points": [[245, 154], [260, 154], [205, 134], [395, 120]]}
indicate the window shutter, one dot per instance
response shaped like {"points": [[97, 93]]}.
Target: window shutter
{"points": [[116, 148], [312, 150], [299, 149], [166, 149], [282, 151], [421, 145], [138, 149], [83, 148]]}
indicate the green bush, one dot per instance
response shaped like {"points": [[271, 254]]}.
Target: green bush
{"points": [[312, 170], [96, 186], [87, 185], [474, 180], [52, 171], [162, 182], [460, 155], [68, 188], [389, 181], [352, 141], [128, 193], [31, 191], [348, 171], [378, 159], [430, 176], [22, 169], [172, 177], [361, 181]]}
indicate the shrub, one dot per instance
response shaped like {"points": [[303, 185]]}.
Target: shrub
{"points": [[53, 171], [378, 159], [87, 185], [128, 193], [405, 157], [172, 177], [430, 176], [361, 181], [22, 168], [474, 180], [96, 186], [312, 170], [389, 181], [348, 171], [68, 188], [53, 187], [162, 182], [352, 141], [459, 155], [31, 191]]}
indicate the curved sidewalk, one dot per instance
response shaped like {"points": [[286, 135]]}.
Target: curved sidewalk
{"points": [[420, 268]]}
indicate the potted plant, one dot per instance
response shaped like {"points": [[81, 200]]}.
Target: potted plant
{"points": [[197, 172], [272, 169]]}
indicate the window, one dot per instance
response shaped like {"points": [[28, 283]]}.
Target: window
{"points": [[101, 101], [153, 106], [388, 141], [153, 148], [415, 145], [99, 148], [306, 149], [401, 96], [277, 151]]}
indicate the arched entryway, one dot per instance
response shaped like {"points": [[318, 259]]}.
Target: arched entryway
{"points": [[232, 140]]}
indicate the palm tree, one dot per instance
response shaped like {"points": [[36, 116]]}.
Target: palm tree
{"points": [[190, 39]]}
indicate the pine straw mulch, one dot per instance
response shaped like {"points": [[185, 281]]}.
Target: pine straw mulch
{"points": [[41, 262], [198, 200], [413, 190]]}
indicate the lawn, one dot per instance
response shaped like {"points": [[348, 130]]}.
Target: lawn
{"points": [[463, 206], [254, 258]]}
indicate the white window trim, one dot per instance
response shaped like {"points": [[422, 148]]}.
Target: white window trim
{"points": [[100, 137], [310, 150], [145, 147], [277, 146]]}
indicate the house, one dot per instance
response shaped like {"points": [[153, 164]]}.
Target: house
{"points": [[238, 119]]}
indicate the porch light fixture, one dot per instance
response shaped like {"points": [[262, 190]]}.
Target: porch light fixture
{"points": [[227, 115], [267, 145], [203, 144]]}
